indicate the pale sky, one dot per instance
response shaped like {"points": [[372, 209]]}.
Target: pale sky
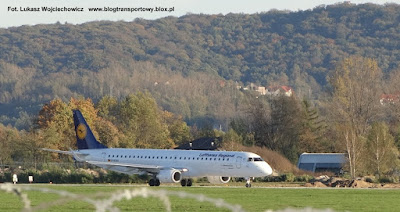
{"points": [[16, 12]]}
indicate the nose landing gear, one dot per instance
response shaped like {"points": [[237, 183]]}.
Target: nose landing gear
{"points": [[248, 182]]}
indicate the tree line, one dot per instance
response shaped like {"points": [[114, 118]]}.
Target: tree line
{"points": [[350, 120], [43, 62], [191, 67], [133, 122]]}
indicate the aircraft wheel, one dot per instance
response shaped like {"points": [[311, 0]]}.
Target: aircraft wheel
{"points": [[248, 185], [189, 182], [151, 182], [157, 182], [183, 182]]}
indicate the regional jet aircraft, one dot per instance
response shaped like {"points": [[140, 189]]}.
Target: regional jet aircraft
{"points": [[166, 165]]}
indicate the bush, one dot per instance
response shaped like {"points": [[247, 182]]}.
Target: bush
{"points": [[289, 177], [388, 180], [2, 178], [370, 180], [304, 178], [204, 180]]}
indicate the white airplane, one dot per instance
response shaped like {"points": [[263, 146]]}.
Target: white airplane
{"points": [[166, 165]]}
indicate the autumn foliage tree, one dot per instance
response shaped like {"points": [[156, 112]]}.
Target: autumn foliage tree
{"points": [[356, 87], [135, 121], [56, 125]]}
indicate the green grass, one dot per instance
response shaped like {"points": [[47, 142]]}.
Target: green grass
{"points": [[253, 199]]}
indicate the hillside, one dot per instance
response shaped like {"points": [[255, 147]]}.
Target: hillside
{"points": [[190, 64]]}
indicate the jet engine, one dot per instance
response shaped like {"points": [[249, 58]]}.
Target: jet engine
{"points": [[218, 179], [169, 176]]}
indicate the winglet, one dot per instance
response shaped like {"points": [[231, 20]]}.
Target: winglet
{"points": [[84, 136]]}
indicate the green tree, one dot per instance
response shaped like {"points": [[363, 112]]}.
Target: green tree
{"points": [[106, 107], [28, 149], [381, 152], [8, 138], [179, 132], [312, 130], [285, 126], [232, 141], [108, 133], [276, 124], [141, 122], [241, 127]]}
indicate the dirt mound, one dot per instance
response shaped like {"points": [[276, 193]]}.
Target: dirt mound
{"points": [[319, 185], [315, 185], [390, 185], [308, 185], [360, 184], [340, 182]]}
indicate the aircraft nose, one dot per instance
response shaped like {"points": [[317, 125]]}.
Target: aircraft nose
{"points": [[267, 169]]}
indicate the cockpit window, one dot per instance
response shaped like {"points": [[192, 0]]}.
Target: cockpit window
{"points": [[254, 159]]}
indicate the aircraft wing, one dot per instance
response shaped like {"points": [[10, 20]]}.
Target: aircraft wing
{"points": [[140, 167], [135, 167]]}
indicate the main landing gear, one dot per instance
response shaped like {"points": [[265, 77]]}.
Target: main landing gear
{"points": [[186, 182], [154, 182]]}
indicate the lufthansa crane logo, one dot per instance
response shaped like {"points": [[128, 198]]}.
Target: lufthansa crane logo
{"points": [[81, 131]]}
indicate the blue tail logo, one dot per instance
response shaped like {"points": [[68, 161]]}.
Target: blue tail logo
{"points": [[84, 136]]}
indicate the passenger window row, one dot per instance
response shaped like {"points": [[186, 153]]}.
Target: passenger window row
{"points": [[165, 157]]}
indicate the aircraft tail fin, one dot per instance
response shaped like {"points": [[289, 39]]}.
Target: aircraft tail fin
{"points": [[84, 136]]}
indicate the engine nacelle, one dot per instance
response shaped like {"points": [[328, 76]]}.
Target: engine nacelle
{"points": [[170, 176], [218, 179]]}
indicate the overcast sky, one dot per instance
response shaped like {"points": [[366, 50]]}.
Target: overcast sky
{"points": [[16, 12]]}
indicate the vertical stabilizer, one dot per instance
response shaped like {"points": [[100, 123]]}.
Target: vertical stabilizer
{"points": [[84, 136]]}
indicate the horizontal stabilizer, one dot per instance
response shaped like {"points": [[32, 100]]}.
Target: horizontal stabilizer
{"points": [[58, 151], [75, 154]]}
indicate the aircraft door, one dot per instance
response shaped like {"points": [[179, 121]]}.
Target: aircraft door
{"points": [[104, 156], [238, 162]]}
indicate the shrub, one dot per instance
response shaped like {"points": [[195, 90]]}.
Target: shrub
{"points": [[289, 177], [388, 180], [370, 180], [304, 178]]}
